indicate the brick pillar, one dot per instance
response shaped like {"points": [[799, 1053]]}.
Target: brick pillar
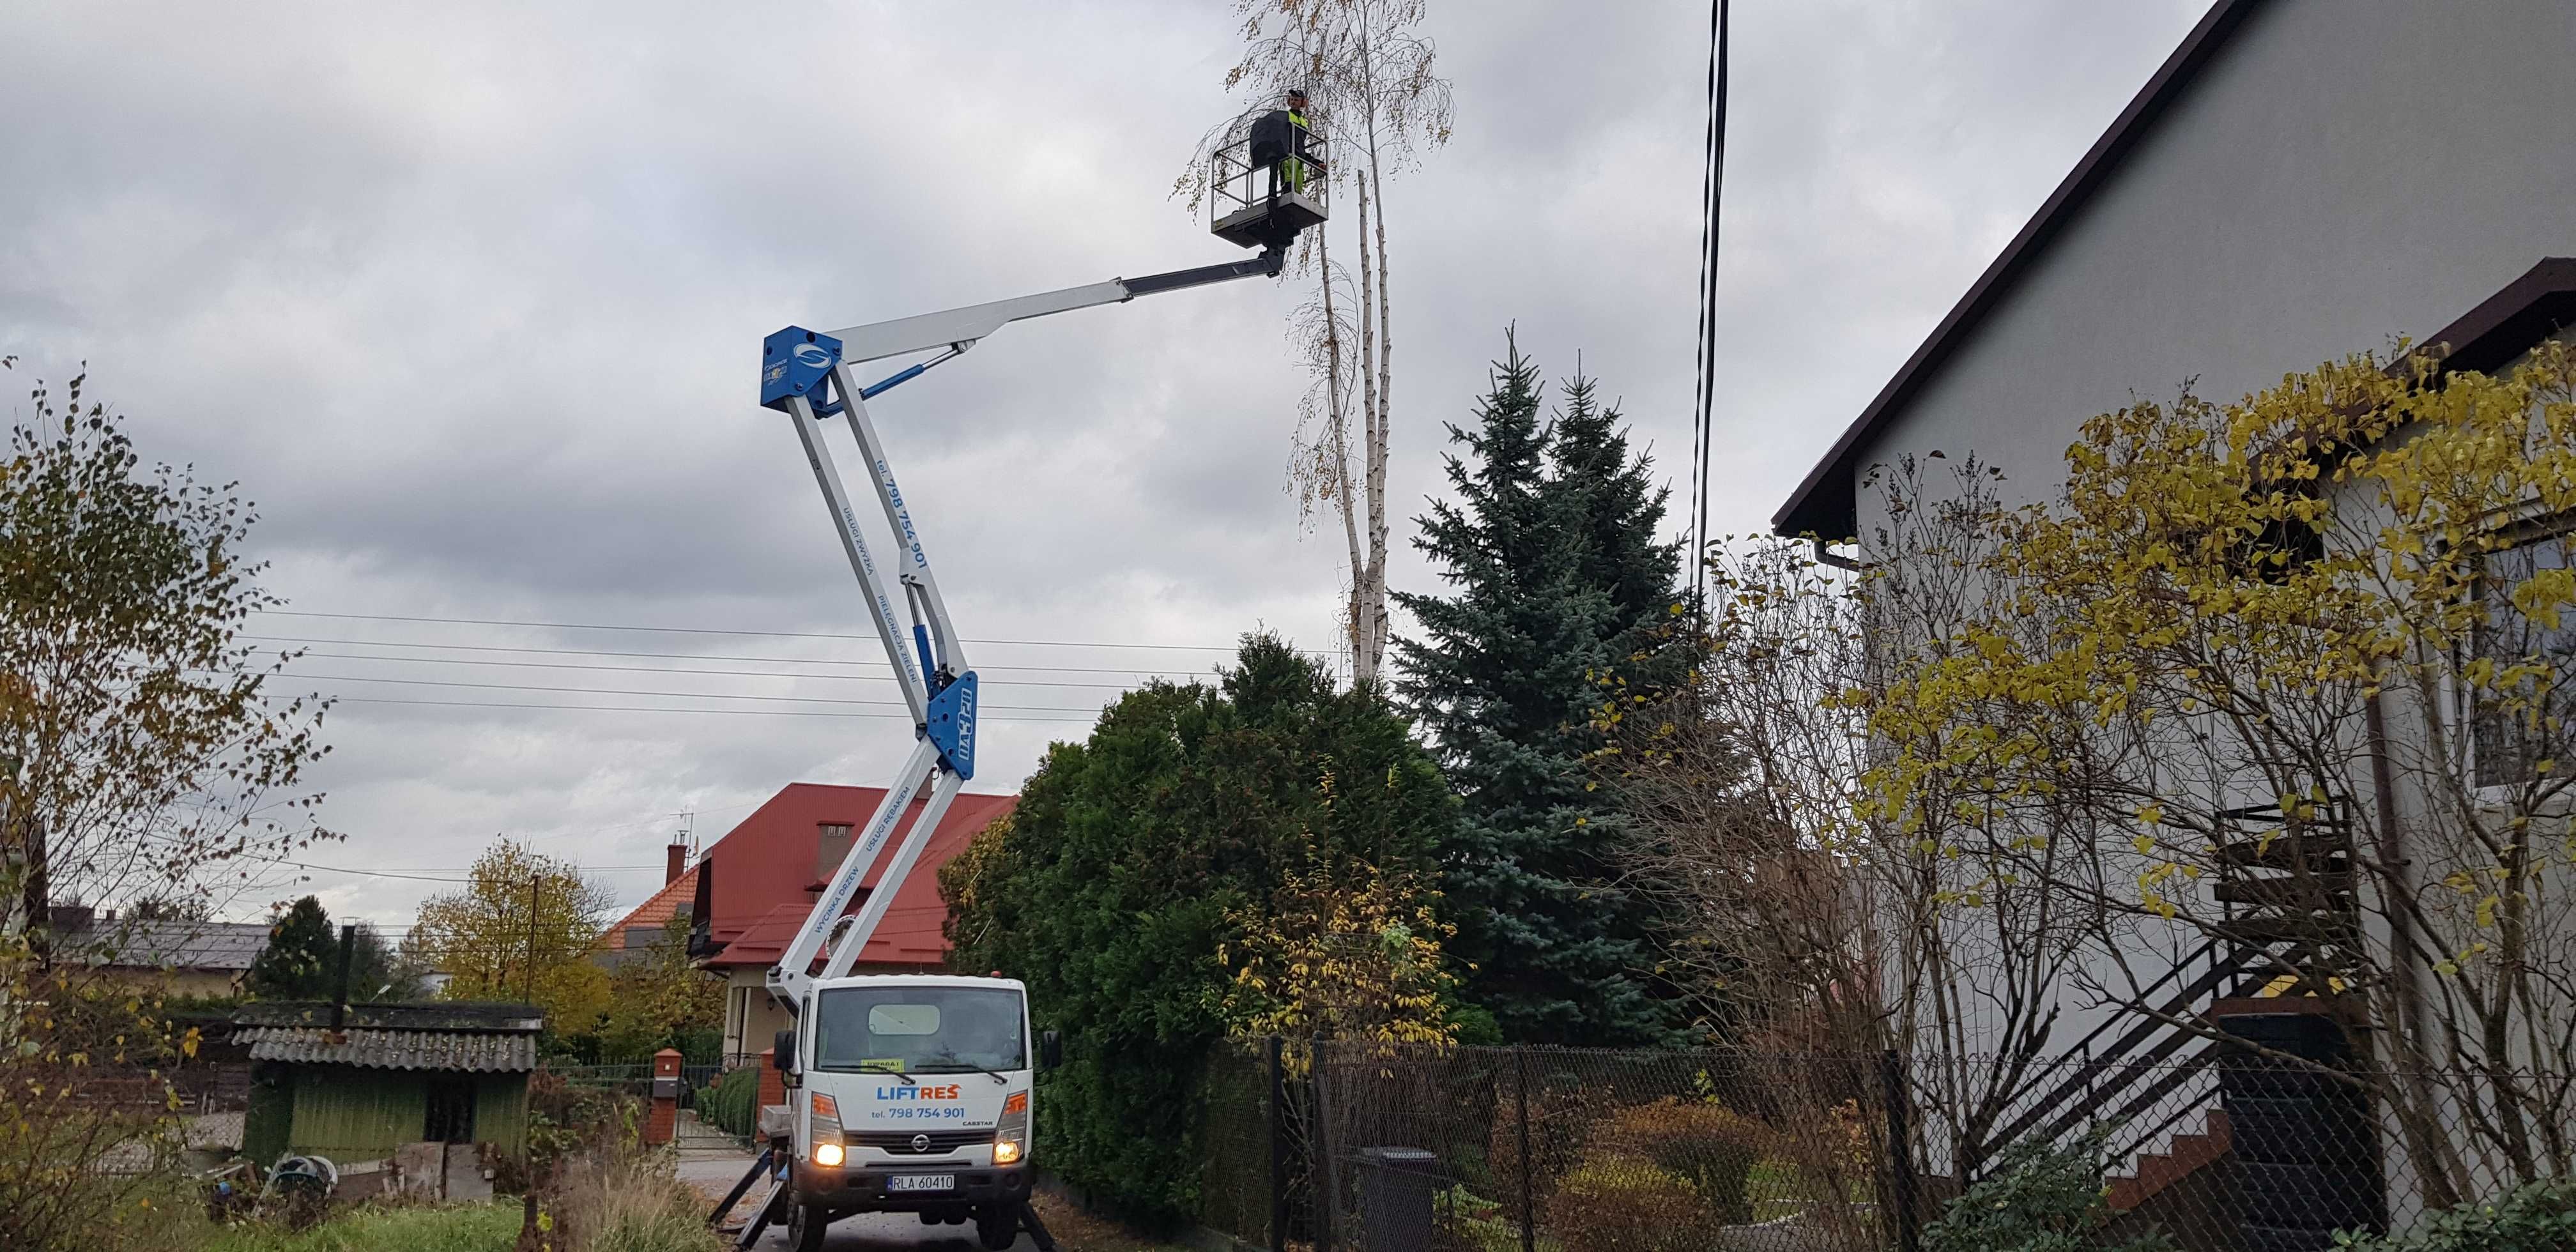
{"points": [[663, 1122], [773, 1085]]}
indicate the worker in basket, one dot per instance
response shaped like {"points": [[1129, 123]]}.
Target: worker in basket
{"points": [[1280, 143], [1299, 157]]}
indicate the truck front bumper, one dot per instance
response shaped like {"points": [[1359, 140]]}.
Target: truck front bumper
{"points": [[863, 1187]]}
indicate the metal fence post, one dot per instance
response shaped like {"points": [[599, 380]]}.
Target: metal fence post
{"points": [[1529, 1207], [1278, 1151], [1326, 1180], [1900, 1154]]}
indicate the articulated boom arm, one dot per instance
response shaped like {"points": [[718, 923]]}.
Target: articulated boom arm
{"points": [[806, 375]]}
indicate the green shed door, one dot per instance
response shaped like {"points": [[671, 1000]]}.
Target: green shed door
{"points": [[450, 1114]]}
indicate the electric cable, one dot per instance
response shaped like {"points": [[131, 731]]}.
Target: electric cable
{"points": [[639, 708], [685, 656], [764, 634], [1712, 191]]}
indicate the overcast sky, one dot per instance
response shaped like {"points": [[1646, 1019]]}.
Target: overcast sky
{"points": [[470, 299]]}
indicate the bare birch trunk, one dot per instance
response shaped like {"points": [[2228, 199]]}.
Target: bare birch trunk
{"points": [[1381, 389], [1337, 438]]}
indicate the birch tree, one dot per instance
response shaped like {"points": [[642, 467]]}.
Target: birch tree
{"points": [[1378, 103]]}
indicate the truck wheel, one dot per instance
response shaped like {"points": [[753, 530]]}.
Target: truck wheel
{"points": [[997, 1227], [805, 1226]]}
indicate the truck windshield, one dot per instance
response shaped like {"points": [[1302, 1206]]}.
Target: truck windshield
{"points": [[918, 1030]]}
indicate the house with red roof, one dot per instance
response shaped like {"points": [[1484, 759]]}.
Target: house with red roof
{"points": [[752, 888]]}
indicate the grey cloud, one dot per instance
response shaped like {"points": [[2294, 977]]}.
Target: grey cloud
{"points": [[469, 298]]}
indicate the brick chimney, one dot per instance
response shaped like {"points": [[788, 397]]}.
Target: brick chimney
{"points": [[678, 854]]}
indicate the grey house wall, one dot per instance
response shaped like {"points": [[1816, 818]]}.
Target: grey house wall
{"points": [[2340, 172]]}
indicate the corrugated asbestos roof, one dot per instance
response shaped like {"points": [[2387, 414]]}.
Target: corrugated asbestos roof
{"points": [[226, 946], [454, 1051]]}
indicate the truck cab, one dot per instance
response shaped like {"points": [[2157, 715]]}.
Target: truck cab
{"points": [[910, 1093]]}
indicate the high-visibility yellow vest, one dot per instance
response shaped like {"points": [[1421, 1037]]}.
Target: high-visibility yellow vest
{"points": [[1294, 168]]}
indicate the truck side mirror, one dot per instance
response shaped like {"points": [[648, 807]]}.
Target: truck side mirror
{"points": [[784, 1045], [1050, 1050]]}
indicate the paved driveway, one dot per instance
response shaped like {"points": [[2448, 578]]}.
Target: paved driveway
{"points": [[715, 1172]]}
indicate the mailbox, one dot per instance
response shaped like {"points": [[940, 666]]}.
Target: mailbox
{"points": [[666, 1087]]}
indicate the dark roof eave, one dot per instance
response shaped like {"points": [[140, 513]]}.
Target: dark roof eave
{"points": [[1825, 501], [2507, 324]]}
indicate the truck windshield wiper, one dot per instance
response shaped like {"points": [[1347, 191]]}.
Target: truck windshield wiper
{"points": [[960, 1067]]}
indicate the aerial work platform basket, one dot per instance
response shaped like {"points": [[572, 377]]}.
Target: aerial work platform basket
{"points": [[1267, 182]]}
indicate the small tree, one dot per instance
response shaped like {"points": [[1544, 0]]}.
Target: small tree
{"points": [[1805, 910], [2289, 676], [302, 959], [145, 757], [1337, 959], [658, 997], [522, 929]]}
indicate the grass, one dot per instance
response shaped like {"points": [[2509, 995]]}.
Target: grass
{"points": [[627, 1206], [469, 1228]]}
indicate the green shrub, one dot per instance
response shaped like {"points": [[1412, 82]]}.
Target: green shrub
{"points": [[732, 1102], [2038, 1199], [1137, 857], [2539, 1217], [1563, 1120], [1617, 1202], [1701, 1142]]}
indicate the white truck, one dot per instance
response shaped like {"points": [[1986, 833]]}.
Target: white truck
{"points": [[914, 1093], [911, 1093]]}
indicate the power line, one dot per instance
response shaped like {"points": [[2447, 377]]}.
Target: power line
{"points": [[688, 656], [371, 873], [639, 708], [1712, 190], [765, 634], [673, 669], [681, 695]]}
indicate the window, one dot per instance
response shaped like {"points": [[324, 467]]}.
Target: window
{"points": [[451, 1111], [919, 1030], [2513, 725]]}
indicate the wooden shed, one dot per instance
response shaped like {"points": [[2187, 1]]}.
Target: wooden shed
{"points": [[387, 1075]]}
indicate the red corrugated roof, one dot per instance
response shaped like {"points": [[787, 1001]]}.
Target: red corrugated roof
{"points": [[655, 913], [764, 882]]}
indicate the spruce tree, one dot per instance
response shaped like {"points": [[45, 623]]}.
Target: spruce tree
{"points": [[302, 959], [1557, 582]]}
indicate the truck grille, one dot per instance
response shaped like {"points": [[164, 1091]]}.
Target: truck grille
{"points": [[906, 1142]]}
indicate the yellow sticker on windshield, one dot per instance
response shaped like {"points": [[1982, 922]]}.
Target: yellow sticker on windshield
{"points": [[882, 1065]]}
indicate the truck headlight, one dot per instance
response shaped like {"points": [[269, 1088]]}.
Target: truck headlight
{"points": [[825, 1131], [1011, 1136]]}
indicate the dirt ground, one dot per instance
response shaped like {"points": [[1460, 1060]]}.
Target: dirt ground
{"points": [[1080, 1232]]}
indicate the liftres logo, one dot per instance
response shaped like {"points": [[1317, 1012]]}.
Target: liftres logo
{"points": [[948, 1092]]}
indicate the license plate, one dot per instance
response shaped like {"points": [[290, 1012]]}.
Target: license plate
{"points": [[922, 1182]]}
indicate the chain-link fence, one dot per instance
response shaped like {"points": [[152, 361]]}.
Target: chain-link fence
{"points": [[1494, 1149]]}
